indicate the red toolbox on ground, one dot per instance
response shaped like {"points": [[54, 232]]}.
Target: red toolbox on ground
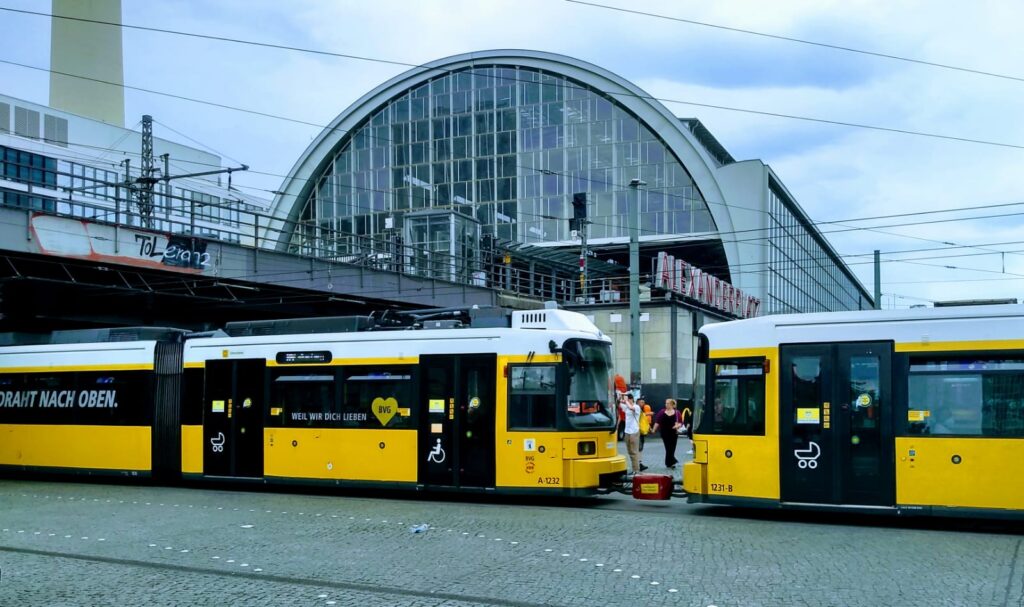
{"points": [[652, 486]]}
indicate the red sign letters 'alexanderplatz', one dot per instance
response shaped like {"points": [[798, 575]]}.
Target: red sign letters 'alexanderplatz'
{"points": [[697, 285]]}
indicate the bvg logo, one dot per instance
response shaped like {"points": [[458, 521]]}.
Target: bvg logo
{"points": [[384, 409]]}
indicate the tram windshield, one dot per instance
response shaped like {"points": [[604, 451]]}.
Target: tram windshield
{"points": [[590, 384]]}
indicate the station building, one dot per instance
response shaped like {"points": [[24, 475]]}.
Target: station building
{"points": [[472, 161], [72, 165]]}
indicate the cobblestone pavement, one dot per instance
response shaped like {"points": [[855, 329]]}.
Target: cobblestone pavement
{"points": [[104, 544]]}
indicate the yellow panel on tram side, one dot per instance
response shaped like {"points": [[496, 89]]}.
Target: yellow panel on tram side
{"points": [[192, 449], [693, 478], [76, 447], [743, 466], [530, 459], [545, 459], [349, 454], [987, 475]]}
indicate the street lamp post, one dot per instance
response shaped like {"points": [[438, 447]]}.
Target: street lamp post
{"points": [[634, 282]]}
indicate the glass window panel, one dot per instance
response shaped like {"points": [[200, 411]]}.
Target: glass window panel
{"points": [[530, 139], [442, 149], [485, 99], [505, 95], [460, 102], [439, 85], [629, 130], [484, 122], [529, 93], [418, 152], [442, 127], [485, 145], [463, 81], [506, 189], [506, 142], [485, 190]]}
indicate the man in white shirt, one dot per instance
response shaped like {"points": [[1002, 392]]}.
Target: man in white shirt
{"points": [[633, 413]]}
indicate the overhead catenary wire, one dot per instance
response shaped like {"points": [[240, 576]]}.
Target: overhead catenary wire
{"points": [[815, 224], [344, 130], [793, 264], [758, 240], [441, 70], [836, 47]]}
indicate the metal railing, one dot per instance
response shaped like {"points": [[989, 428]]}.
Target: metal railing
{"points": [[506, 271]]}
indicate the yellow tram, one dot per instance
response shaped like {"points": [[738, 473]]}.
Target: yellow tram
{"points": [[911, 412], [472, 399]]}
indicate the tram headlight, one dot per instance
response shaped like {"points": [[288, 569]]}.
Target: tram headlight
{"points": [[586, 447]]}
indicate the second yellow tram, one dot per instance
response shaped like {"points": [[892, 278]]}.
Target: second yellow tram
{"points": [[910, 412]]}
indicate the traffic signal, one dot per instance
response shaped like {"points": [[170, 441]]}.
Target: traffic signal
{"points": [[579, 205]]}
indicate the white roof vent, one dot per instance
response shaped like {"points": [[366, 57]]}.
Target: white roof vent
{"points": [[553, 320]]}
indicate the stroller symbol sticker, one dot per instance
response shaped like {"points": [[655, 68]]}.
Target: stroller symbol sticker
{"points": [[217, 442], [808, 458], [436, 455]]}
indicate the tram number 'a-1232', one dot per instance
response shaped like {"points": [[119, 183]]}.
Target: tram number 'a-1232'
{"points": [[721, 488], [549, 480]]}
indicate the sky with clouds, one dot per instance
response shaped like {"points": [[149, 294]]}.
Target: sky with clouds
{"points": [[836, 172]]}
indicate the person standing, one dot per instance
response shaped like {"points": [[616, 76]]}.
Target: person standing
{"points": [[646, 410], [620, 388], [668, 423], [632, 412]]}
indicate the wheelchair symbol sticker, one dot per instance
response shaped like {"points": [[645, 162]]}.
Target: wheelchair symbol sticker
{"points": [[217, 442], [808, 458], [436, 455]]}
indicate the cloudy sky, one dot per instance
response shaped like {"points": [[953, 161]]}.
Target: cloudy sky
{"points": [[839, 174]]}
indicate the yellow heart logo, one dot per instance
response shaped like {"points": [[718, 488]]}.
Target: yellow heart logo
{"points": [[384, 409]]}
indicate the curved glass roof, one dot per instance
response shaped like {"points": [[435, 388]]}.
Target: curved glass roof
{"points": [[509, 146]]}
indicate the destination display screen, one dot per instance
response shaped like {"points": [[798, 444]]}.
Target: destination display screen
{"points": [[303, 358]]}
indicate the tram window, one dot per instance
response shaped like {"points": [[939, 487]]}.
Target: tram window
{"points": [[531, 402], [738, 399], [304, 400], [591, 400], [378, 397], [966, 397]]}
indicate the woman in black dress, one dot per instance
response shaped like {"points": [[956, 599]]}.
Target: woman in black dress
{"points": [[667, 423]]}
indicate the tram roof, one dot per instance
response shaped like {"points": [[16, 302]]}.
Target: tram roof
{"points": [[924, 326]]}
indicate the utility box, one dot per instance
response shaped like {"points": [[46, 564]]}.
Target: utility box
{"points": [[652, 487]]}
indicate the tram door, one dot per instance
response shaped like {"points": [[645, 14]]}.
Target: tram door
{"points": [[835, 424], [233, 418], [457, 395]]}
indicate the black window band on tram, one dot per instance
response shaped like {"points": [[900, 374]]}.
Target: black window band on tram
{"points": [[101, 398]]}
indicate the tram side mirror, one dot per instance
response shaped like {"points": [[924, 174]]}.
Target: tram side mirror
{"points": [[573, 357], [703, 348]]}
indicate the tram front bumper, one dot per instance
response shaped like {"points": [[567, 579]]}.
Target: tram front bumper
{"points": [[693, 479], [597, 472]]}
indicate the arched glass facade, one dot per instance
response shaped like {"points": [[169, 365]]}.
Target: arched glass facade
{"points": [[506, 146]]}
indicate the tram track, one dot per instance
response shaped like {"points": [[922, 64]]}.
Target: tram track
{"points": [[376, 589]]}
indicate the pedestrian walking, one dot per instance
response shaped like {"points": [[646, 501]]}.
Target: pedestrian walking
{"points": [[668, 422], [632, 412]]}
